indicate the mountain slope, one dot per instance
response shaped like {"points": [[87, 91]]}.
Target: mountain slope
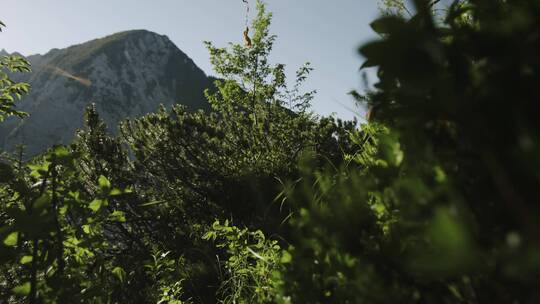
{"points": [[127, 74]]}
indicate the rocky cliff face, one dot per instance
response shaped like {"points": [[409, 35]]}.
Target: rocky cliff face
{"points": [[126, 75]]}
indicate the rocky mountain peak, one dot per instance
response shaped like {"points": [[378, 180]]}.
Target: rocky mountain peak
{"points": [[127, 74]]}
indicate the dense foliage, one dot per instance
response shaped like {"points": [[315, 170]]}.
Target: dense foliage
{"points": [[443, 207], [260, 201], [11, 91]]}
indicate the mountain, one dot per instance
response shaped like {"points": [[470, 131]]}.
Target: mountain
{"points": [[127, 74]]}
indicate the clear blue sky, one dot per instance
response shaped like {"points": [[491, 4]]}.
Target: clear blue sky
{"points": [[325, 32]]}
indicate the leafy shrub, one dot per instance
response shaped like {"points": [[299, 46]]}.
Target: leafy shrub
{"points": [[251, 262]]}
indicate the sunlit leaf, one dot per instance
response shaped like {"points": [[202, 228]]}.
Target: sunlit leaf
{"points": [[26, 259], [104, 183], [118, 215], [120, 273], [96, 204], [22, 290], [115, 192], [286, 257], [11, 239], [86, 229]]}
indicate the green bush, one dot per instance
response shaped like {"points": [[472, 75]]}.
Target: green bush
{"points": [[442, 208]]}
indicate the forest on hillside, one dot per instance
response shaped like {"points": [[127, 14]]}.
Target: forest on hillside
{"points": [[258, 200]]}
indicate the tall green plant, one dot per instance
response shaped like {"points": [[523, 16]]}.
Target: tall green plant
{"points": [[272, 120]]}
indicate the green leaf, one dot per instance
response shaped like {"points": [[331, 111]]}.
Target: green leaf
{"points": [[440, 176], [387, 25], [118, 216], [210, 235], [11, 239], [39, 170], [286, 257], [104, 183], [368, 64], [120, 273], [375, 52], [26, 259], [22, 290], [63, 210], [96, 204], [86, 229], [115, 192]]}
